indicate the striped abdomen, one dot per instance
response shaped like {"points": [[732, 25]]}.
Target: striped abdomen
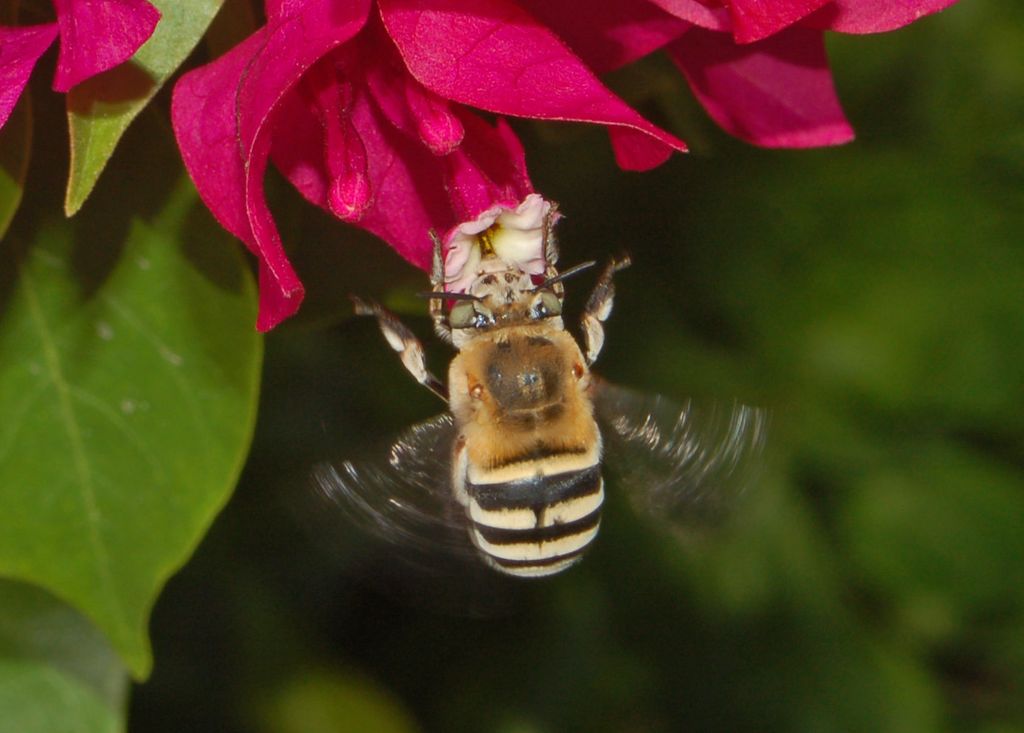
{"points": [[536, 524]]}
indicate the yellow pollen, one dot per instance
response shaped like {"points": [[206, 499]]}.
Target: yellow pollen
{"points": [[486, 238]]}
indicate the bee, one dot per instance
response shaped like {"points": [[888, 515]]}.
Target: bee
{"points": [[515, 465]]}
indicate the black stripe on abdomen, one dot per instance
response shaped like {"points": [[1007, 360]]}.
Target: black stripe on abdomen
{"points": [[540, 534], [536, 492], [537, 568], [537, 526]]}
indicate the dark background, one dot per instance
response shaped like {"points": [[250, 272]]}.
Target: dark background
{"points": [[871, 296]]}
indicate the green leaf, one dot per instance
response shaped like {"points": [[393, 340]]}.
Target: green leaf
{"points": [[35, 697], [101, 108], [324, 701], [830, 679], [15, 151], [939, 535], [128, 374], [57, 672]]}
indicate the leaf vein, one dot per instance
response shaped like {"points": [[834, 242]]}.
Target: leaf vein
{"points": [[106, 411], [87, 491]]}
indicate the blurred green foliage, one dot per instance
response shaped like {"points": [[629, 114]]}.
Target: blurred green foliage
{"points": [[871, 296], [128, 378]]}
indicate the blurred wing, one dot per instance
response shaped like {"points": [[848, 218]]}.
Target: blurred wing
{"points": [[402, 498], [683, 462], [406, 534]]}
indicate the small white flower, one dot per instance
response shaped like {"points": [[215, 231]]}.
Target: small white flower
{"points": [[516, 235]]}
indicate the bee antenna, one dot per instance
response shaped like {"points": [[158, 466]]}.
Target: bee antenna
{"points": [[449, 296], [574, 270]]}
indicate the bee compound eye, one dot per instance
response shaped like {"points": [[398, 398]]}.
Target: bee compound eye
{"points": [[546, 304], [462, 314], [482, 320], [552, 303]]}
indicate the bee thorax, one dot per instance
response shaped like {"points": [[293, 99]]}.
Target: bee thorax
{"points": [[520, 384]]}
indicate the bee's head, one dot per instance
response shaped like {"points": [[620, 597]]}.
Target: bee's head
{"points": [[499, 299]]}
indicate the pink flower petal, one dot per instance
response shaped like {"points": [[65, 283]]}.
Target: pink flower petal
{"points": [[488, 169], [220, 114], [294, 43], [96, 35], [20, 48], [414, 191], [408, 105], [203, 115], [439, 128], [409, 199], [753, 20], [610, 34], [775, 93], [491, 55], [416, 186], [330, 98], [407, 180], [713, 19], [635, 151], [873, 16]]}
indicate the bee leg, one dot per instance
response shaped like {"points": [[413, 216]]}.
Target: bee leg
{"points": [[402, 340], [437, 314], [599, 307], [550, 241], [551, 251]]}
